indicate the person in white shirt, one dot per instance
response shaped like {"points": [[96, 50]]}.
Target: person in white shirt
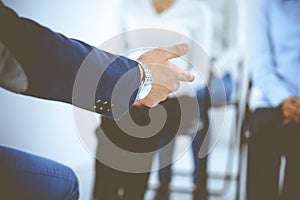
{"points": [[164, 22]]}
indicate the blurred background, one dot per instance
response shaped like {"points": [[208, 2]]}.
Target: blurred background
{"points": [[48, 128]]}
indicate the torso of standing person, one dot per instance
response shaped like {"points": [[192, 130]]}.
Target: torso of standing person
{"points": [[276, 61], [167, 23]]}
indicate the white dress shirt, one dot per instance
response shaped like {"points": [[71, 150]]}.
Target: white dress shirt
{"points": [[183, 22]]}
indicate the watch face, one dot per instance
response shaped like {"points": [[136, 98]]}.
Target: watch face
{"points": [[144, 91]]}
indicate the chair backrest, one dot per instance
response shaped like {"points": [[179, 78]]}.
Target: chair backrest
{"points": [[243, 97]]}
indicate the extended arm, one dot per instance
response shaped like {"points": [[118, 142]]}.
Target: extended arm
{"points": [[68, 70], [52, 61]]}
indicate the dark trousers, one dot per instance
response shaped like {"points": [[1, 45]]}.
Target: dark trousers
{"points": [[269, 141], [199, 173], [24, 176], [165, 173], [118, 185], [114, 177]]}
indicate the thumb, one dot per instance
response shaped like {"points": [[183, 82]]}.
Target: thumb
{"points": [[175, 51]]}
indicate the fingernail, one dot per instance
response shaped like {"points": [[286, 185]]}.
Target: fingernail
{"points": [[192, 77], [186, 47]]}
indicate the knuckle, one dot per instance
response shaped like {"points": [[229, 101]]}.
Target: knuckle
{"points": [[175, 86]]}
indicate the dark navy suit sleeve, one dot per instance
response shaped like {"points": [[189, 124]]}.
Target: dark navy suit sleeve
{"points": [[63, 69]]}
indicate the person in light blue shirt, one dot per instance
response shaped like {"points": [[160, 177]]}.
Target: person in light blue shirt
{"points": [[275, 126]]}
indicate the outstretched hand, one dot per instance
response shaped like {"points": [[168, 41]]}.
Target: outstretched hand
{"points": [[166, 76]]}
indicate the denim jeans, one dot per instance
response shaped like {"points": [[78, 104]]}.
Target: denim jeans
{"points": [[26, 176]]}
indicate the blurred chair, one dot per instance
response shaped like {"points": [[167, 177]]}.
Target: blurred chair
{"points": [[237, 105], [233, 56], [234, 60], [207, 40], [242, 152]]}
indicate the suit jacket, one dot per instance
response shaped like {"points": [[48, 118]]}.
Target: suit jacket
{"points": [[63, 69], [12, 76]]}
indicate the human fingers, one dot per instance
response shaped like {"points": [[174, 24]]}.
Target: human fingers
{"points": [[287, 107], [286, 121], [183, 75], [297, 104], [165, 76], [290, 116], [174, 51], [291, 109]]}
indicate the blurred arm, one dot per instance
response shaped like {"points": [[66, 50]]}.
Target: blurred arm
{"points": [[264, 65]]}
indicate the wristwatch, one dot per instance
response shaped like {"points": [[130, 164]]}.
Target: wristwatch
{"points": [[146, 83]]}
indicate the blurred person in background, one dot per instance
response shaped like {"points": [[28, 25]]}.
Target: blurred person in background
{"points": [[184, 17], [275, 99]]}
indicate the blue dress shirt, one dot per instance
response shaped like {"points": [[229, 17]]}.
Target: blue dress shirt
{"points": [[276, 60]]}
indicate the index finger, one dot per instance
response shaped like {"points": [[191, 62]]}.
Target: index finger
{"points": [[175, 51]]}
